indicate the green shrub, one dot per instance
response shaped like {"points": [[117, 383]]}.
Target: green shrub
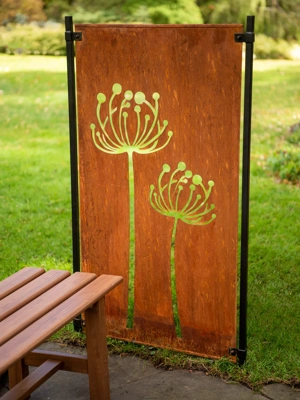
{"points": [[285, 164], [293, 136], [96, 17], [55, 10], [267, 48], [166, 11], [21, 11], [32, 39], [141, 11]]}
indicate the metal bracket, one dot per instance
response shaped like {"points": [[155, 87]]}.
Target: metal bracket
{"points": [[73, 36], [246, 37], [237, 352]]}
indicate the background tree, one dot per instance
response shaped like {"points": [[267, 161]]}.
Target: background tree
{"points": [[278, 19], [167, 11], [281, 19], [275, 18], [21, 11], [54, 9]]}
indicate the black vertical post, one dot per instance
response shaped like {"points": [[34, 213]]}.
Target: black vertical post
{"points": [[73, 150], [246, 191]]}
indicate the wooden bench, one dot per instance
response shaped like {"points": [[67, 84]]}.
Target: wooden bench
{"points": [[34, 304]]}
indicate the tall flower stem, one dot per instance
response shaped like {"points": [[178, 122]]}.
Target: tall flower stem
{"points": [[173, 282], [130, 313]]}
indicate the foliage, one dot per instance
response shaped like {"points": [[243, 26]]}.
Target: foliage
{"points": [[293, 136], [128, 11], [275, 18], [21, 11], [278, 19], [55, 9], [233, 11], [267, 48], [281, 19], [30, 39], [95, 5], [166, 11], [49, 40], [285, 164], [68, 336], [276, 96], [94, 17]]}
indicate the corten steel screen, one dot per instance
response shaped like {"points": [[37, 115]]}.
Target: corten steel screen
{"points": [[159, 123]]}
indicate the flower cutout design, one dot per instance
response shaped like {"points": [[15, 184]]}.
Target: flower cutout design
{"points": [[114, 137], [170, 199], [131, 125], [167, 199]]}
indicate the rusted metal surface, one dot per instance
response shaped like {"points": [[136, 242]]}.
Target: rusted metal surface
{"points": [[197, 72]]}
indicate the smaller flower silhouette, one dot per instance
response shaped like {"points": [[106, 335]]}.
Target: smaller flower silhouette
{"points": [[191, 208], [117, 139], [167, 200]]}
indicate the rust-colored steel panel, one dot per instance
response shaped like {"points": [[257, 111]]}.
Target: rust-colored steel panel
{"points": [[159, 118]]}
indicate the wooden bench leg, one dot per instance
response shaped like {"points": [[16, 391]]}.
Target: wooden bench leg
{"points": [[17, 372], [97, 351]]}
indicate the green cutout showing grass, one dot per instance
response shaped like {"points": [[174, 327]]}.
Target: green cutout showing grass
{"points": [[114, 138], [194, 211]]}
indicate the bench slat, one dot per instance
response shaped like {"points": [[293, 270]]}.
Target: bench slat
{"points": [[18, 280], [50, 323], [24, 388], [34, 310], [33, 289]]}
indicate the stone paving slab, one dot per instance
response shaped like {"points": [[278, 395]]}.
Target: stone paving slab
{"points": [[276, 391], [179, 385], [135, 379]]}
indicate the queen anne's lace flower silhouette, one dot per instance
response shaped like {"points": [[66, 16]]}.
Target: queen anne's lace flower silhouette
{"points": [[169, 200], [117, 139], [114, 137]]}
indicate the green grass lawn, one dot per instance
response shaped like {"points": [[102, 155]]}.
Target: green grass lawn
{"points": [[34, 164], [36, 218]]}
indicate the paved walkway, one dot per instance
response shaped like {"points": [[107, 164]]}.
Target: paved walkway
{"points": [[135, 379]]}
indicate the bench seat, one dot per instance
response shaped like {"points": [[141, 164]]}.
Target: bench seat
{"points": [[34, 305]]}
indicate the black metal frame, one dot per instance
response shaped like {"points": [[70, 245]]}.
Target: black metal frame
{"points": [[246, 37], [70, 37], [246, 191]]}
